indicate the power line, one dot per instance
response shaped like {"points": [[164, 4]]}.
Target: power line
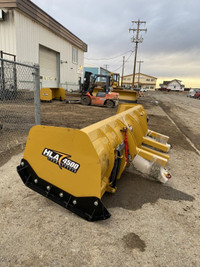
{"points": [[124, 61], [108, 58]]}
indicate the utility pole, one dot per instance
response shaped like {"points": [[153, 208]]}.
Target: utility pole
{"points": [[136, 40], [140, 62], [106, 66], [122, 70]]}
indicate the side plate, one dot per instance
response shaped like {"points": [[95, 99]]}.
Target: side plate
{"points": [[89, 208]]}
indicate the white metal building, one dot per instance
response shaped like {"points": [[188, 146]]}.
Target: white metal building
{"points": [[34, 37], [174, 85]]}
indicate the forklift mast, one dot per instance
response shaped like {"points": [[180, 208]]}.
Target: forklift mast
{"points": [[85, 86], [90, 82]]}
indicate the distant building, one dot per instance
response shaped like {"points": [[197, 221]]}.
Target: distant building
{"points": [[33, 36], [91, 68], [174, 85], [141, 81], [95, 70]]}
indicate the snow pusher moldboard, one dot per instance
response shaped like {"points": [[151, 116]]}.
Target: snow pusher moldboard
{"points": [[74, 168]]}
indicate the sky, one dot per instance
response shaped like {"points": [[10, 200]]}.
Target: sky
{"points": [[170, 47]]}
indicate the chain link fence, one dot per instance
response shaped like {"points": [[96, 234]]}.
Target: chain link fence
{"points": [[19, 104]]}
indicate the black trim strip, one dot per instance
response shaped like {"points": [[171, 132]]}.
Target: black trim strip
{"points": [[127, 101], [88, 208]]}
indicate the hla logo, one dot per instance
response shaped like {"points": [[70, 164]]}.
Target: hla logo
{"points": [[61, 159]]}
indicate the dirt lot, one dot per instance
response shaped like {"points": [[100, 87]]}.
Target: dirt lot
{"points": [[151, 224]]}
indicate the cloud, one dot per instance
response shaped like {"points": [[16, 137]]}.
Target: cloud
{"points": [[171, 45]]}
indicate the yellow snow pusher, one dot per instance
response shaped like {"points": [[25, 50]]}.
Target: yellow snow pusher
{"points": [[125, 96], [74, 168], [48, 94]]}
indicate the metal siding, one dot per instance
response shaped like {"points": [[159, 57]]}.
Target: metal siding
{"points": [[31, 34], [8, 34], [103, 72], [91, 69], [34, 12]]}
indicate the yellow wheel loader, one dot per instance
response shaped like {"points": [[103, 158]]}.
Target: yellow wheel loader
{"points": [[74, 168]]}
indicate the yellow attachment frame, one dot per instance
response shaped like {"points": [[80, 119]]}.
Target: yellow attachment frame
{"points": [[48, 94]]}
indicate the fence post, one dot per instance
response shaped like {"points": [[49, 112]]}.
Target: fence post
{"points": [[37, 95], [2, 76]]}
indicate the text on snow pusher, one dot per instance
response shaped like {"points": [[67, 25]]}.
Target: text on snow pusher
{"points": [[74, 168]]}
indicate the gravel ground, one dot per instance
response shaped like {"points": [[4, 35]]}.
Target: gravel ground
{"points": [[151, 224]]}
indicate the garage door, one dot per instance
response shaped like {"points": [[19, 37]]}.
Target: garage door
{"points": [[48, 67]]}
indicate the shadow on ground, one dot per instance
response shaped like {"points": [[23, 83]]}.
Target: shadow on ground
{"points": [[133, 191]]}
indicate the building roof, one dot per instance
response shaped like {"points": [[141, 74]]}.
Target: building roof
{"points": [[105, 69], [36, 13], [86, 65], [95, 66], [168, 82], [140, 74]]}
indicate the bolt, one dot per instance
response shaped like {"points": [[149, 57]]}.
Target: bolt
{"points": [[96, 203], [48, 187], [36, 181], [61, 194], [22, 163], [74, 202], [131, 128]]}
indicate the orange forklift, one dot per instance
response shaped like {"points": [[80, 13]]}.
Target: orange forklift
{"points": [[103, 98]]}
